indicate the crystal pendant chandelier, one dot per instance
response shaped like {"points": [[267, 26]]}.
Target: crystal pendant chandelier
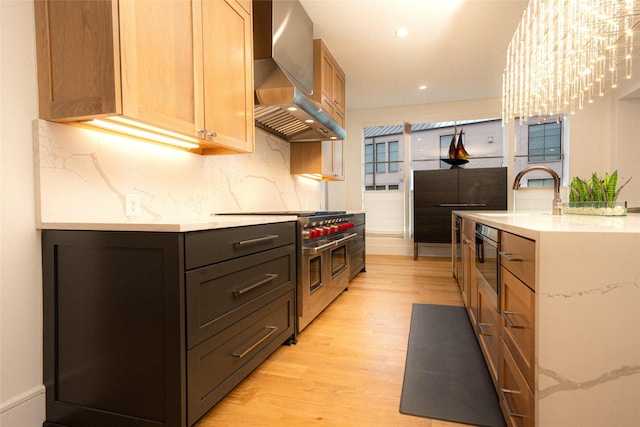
{"points": [[565, 53]]}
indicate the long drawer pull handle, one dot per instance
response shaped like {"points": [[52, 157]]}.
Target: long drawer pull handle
{"points": [[270, 277], [506, 314], [271, 331], [506, 403], [258, 240], [511, 257], [462, 205], [481, 326]]}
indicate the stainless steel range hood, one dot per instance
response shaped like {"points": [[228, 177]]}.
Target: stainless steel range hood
{"points": [[283, 69]]}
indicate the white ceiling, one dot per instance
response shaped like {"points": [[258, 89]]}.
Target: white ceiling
{"points": [[455, 47]]}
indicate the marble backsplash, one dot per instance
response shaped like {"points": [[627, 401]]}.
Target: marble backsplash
{"points": [[84, 176]]}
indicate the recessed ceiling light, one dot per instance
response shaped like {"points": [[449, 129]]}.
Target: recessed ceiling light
{"points": [[402, 33], [422, 87]]}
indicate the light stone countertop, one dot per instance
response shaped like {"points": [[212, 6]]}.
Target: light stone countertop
{"points": [[169, 225], [531, 224], [587, 315]]}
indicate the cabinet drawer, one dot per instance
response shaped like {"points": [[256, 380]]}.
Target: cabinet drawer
{"points": [[211, 246], [489, 329], [517, 323], [221, 294], [518, 256], [516, 400], [469, 229], [217, 365]]}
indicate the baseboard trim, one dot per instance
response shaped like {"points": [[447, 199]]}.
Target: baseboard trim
{"points": [[22, 398]]}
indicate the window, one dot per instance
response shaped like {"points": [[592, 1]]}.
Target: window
{"points": [[383, 162], [546, 182], [381, 157], [393, 157], [368, 158], [544, 142]]}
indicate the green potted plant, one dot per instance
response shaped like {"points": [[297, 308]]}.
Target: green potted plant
{"points": [[596, 196]]}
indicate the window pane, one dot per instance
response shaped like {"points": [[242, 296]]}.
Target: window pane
{"points": [[381, 157], [368, 158]]}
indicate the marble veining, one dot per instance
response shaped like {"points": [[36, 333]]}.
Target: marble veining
{"points": [[565, 384], [83, 175], [611, 287]]}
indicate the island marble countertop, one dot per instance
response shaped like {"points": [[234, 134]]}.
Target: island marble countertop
{"points": [[168, 224], [531, 224]]}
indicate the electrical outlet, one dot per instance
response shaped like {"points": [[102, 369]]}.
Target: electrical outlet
{"points": [[132, 204]]}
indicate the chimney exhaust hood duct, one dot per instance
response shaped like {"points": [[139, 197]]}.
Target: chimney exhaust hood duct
{"points": [[283, 70]]}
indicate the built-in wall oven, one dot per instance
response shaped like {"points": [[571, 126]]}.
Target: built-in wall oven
{"points": [[487, 256]]}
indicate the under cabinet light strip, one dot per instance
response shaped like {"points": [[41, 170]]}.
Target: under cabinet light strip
{"points": [[139, 130]]}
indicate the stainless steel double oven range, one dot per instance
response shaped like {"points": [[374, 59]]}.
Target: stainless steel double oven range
{"points": [[322, 259]]}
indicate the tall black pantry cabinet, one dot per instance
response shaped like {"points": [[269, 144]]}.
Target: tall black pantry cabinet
{"points": [[436, 193]]}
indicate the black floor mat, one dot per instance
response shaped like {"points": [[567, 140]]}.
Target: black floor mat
{"points": [[445, 375]]}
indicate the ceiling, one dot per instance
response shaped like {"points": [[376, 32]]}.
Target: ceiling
{"points": [[457, 48]]}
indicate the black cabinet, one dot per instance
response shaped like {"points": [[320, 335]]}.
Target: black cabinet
{"points": [[439, 192], [357, 253], [153, 329]]}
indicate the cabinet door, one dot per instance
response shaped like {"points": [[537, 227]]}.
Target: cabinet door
{"points": [[483, 188], [435, 197], [78, 58], [228, 74], [332, 159], [154, 58]]}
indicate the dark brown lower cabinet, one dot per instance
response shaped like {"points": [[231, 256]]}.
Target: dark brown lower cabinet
{"points": [[134, 333]]}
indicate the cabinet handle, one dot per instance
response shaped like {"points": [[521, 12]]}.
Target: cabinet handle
{"points": [[270, 277], [240, 354], [506, 402], [462, 205], [212, 134], [257, 241], [511, 257], [202, 132], [481, 327], [505, 314]]}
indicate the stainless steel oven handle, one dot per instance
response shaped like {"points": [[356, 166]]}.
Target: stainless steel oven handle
{"points": [[320, 248], [346, 238]]}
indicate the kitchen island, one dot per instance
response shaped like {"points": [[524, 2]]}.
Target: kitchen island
{"points": [[585, 318]]}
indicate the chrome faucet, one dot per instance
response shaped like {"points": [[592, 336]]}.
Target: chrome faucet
{"points": [[557, 209]]}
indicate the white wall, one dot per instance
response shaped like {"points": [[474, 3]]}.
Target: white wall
{"points": [[21, 390], [83, 175]]}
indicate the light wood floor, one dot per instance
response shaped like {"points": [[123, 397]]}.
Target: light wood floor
{"points": [[348, 365]]}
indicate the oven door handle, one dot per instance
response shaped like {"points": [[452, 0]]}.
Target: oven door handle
{"points": [[346, 238], [321, 248]]}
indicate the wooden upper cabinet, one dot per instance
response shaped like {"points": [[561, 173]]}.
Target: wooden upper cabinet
{"points": [[227, 48], [321, 160], [184, 66], [158, 78], [328, 82]]}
